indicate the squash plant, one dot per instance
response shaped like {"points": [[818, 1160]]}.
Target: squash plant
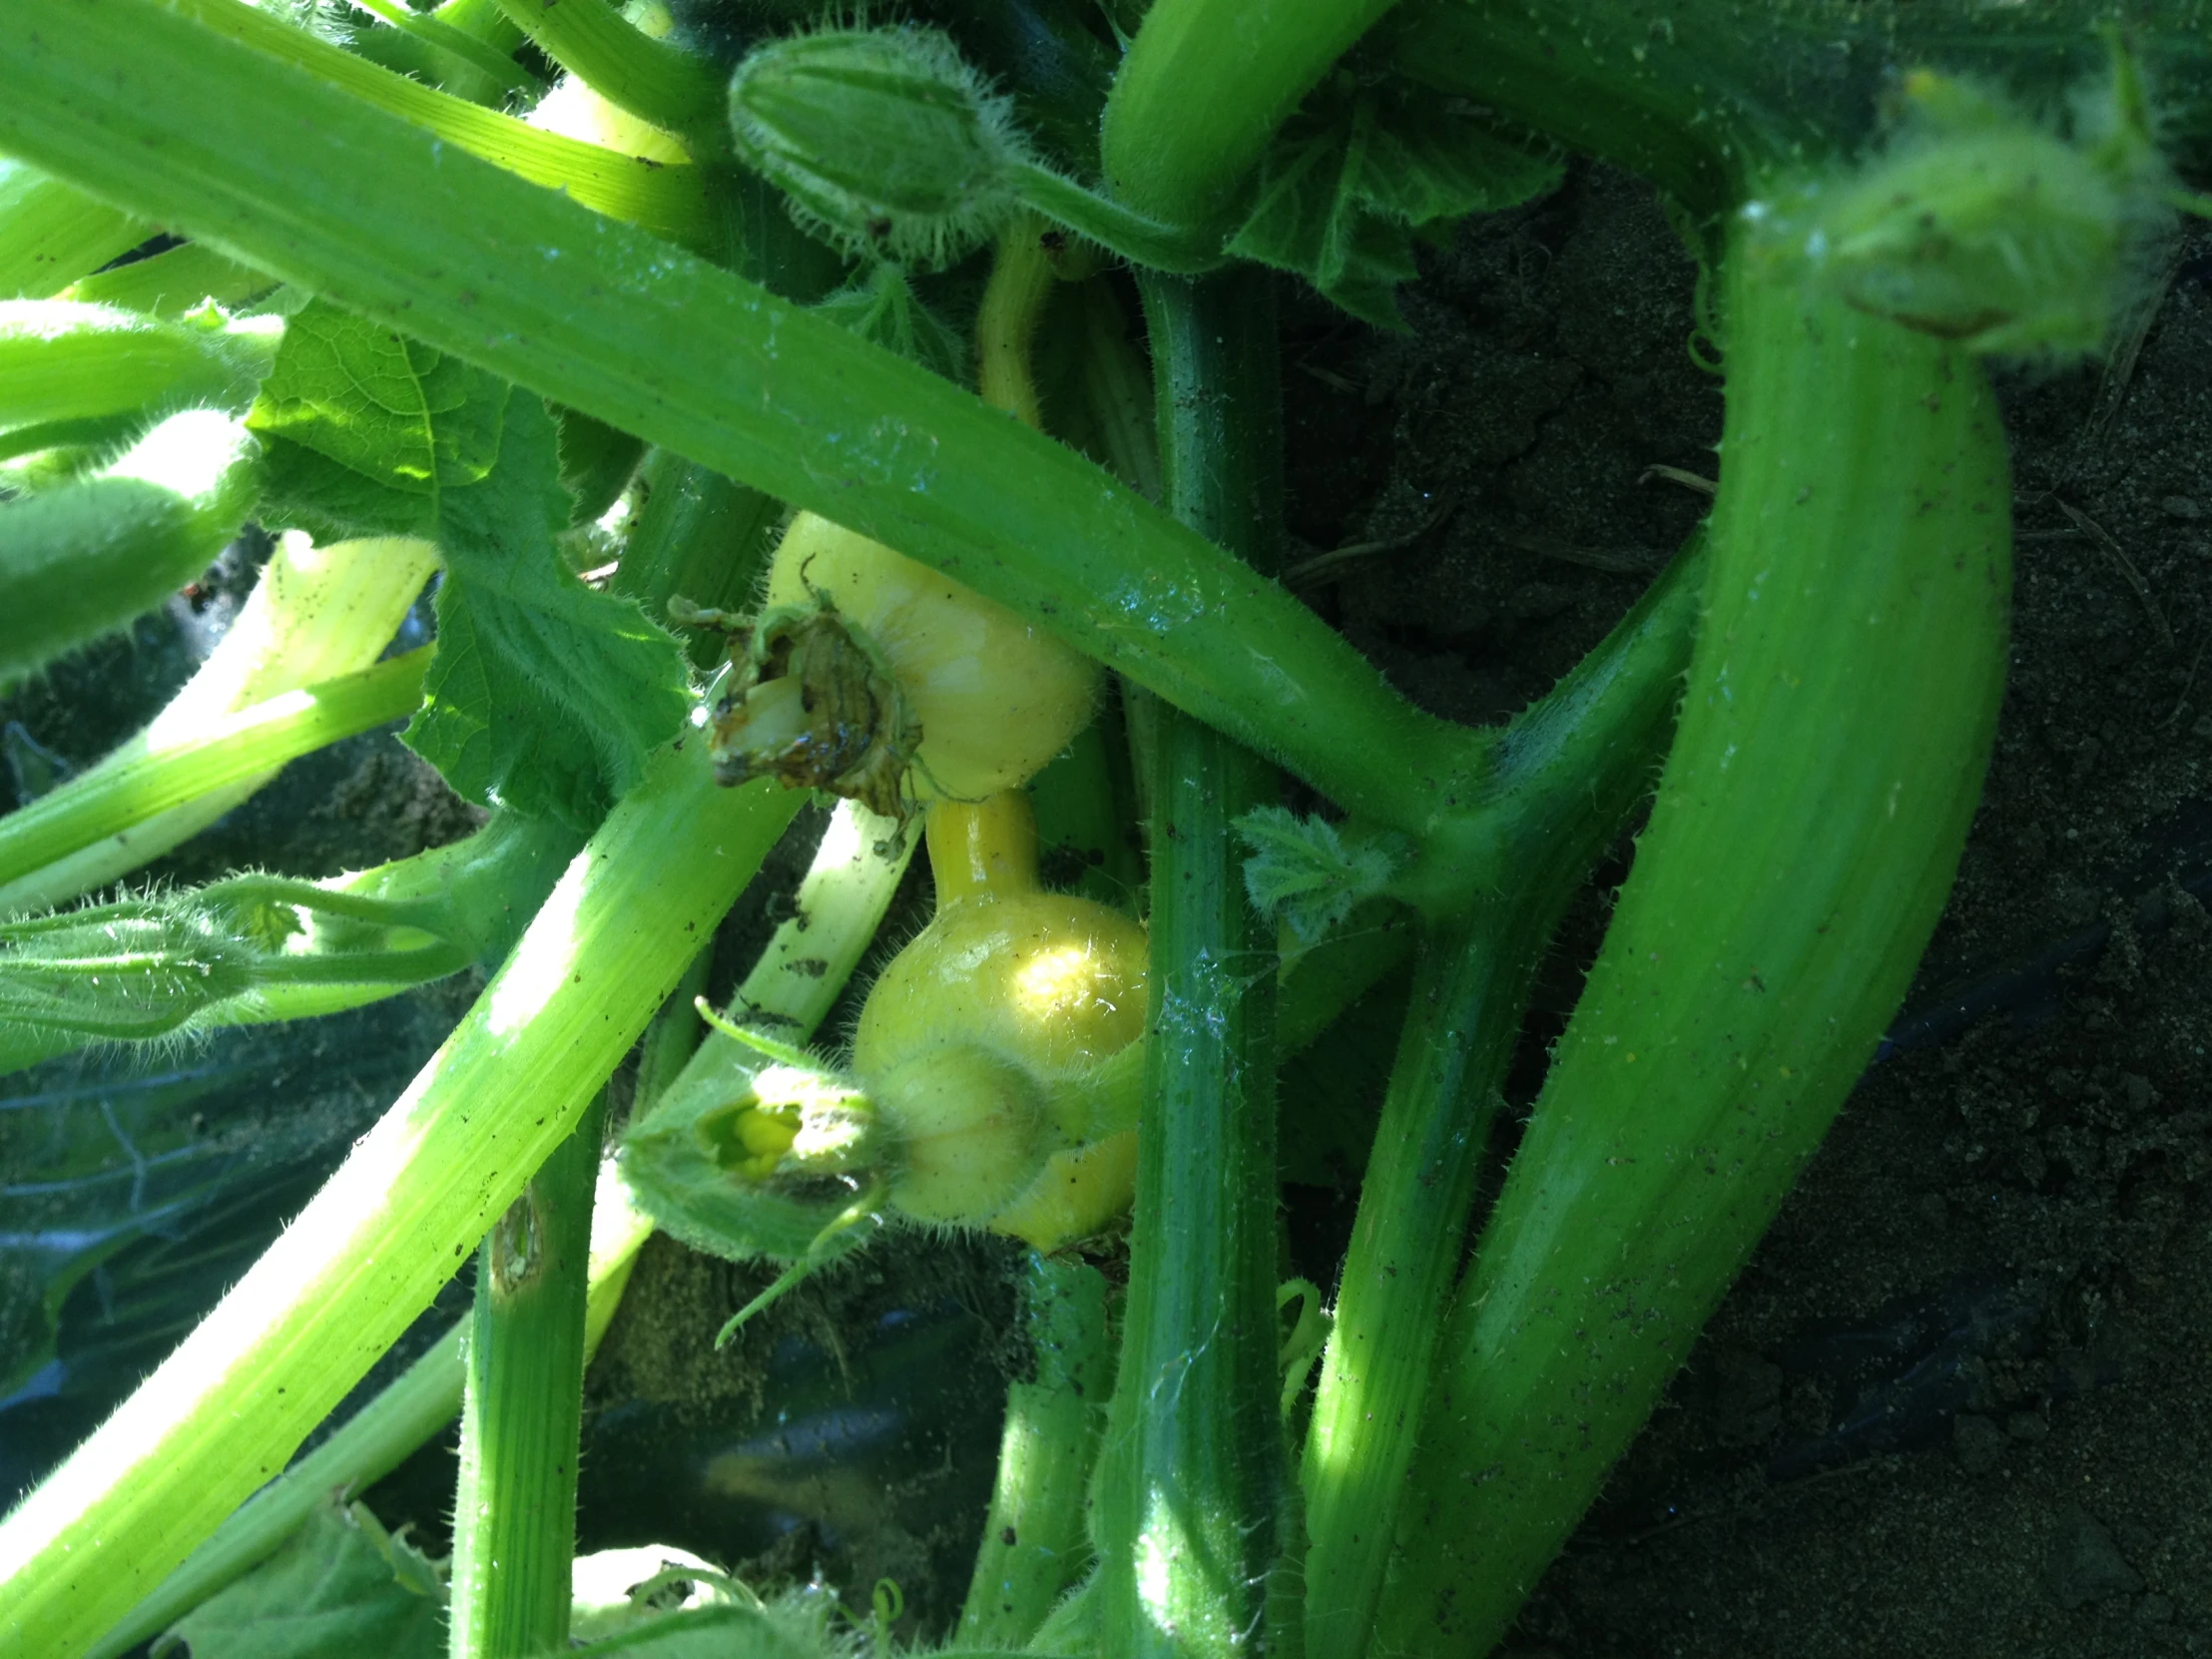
{"points": [[423, 309]]}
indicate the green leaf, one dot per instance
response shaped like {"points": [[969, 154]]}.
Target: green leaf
{"points": [[1351, 181], [398, 412], [342, 1586], [883, 307], [544, 696], [307, 490], [1303, 875]]}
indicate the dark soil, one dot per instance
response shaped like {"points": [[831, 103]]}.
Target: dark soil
{"points": [[1956, 1404]]}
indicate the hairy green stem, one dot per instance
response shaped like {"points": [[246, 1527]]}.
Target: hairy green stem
{"points": [[699, 536], [1204, 86], [144, 106], [171, 283], [317, 613], [839, 905], [226, 1410], [246, 744], [1570, 770], [64, 362], [670, 201], [1034, 1540], [1842, 701], [1118, 228], [83, 559], [649, 78], [1471, 982], [514, 1517], [474, 55], [373, 1442], [1192, 1503], [52, 233]]}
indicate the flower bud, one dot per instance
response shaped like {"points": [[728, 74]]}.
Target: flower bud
{"points": [[1979, 227], [119, 972], [885, 140]]}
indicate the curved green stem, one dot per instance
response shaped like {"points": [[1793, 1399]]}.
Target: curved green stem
{"points": [[139, 103], [83, 559], [1119, 228], [255, 740], [1204, 86], [1570, 770], [224, 1412], [593, 41], [1842, 701]]}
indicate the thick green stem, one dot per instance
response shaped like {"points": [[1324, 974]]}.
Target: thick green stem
{"points": [[1192, 1502], [839, 905], [84, 559], [63, 361], [51, 233], [670, 201], [699, 536], [145, 108], [1204, 86], [223, 1412], [377, 1441], [1841, 705], [317, 613], [474, 58], [1570, 769], [649, 78], [246, 744], [514, 1519], [171, 283], [1034, 1540], [1470, 984]]}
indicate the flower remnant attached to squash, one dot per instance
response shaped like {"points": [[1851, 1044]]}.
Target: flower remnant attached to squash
{"points": [[810, 702]]}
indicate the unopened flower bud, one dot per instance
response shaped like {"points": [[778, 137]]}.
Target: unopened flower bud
{"points": [[886, 140], [1979, 227], [119, 972]]}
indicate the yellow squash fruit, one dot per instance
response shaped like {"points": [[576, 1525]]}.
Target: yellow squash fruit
{"points": [[980, 1044], [995, 695]]}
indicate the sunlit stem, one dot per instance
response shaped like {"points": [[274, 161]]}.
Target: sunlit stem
{"points": [[514, 1528], [317, 613], [226, 1410]]}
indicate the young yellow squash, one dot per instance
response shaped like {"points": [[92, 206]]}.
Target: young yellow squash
{"points": [[983, 1043]]}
